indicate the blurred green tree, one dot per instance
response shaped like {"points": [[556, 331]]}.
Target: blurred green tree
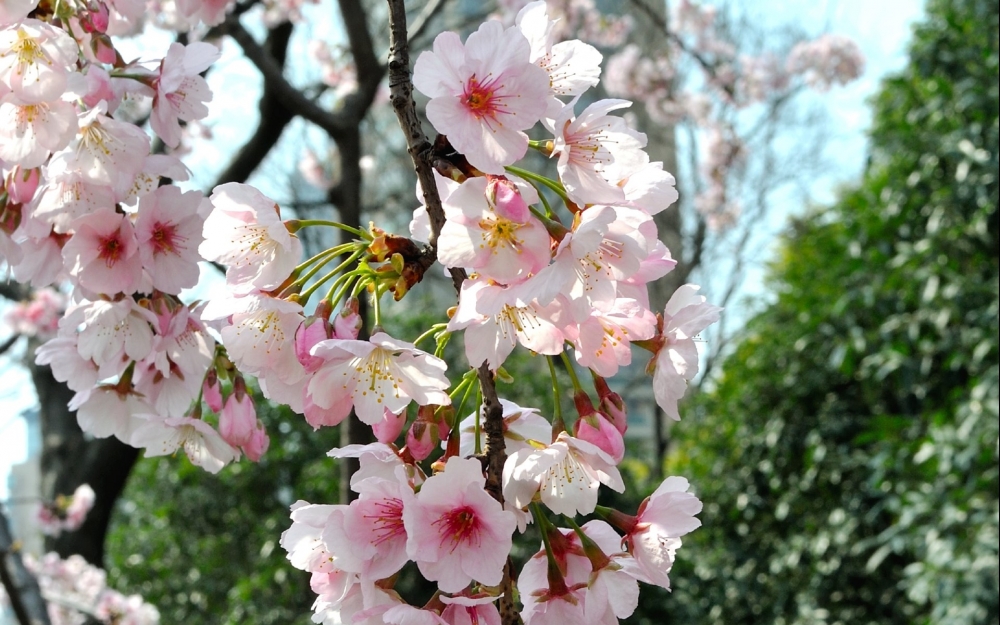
{"points": [[847, 455]]}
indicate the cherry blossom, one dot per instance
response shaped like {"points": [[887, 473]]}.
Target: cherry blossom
{"points": [[35, 59], [663, 518], [181, 93], [374, 375], [456, 532], [169, 231], [483, 93], [31, 131], [596, 150], [368, 536], [567, 474], [245, 232], [500, 239], [202, 444], [103, 254], [495, 318], [676, 362]]}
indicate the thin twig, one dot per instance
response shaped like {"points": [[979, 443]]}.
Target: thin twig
{"points": [[401, 96], [23, 593]]}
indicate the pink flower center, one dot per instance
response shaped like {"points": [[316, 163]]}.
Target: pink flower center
{"points": [[111, 249], [459, 526], [164, 238], [387, 520], [482, 99]]}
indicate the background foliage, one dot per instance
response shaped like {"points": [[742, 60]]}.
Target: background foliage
{"points": [[848, 455]]}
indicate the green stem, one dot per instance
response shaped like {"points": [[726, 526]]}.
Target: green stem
{"points": [[572, 372], [304, 297], [531, 176], [557, 422], [437, 327], [305, 223], [342, 283], [377, 305], [333, 251]]}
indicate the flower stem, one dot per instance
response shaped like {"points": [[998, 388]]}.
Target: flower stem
{"points": [[532, 177], [308, 292], [558, 425], [571, 371], [296, 224]]}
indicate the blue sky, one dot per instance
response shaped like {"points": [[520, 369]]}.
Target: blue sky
{"points": [[880, 28]]}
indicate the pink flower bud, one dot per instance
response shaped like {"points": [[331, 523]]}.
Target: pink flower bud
{"points": [[104, 50], [238, 418], [612, 405], [311, 331], [258, 444], [420, 439], [211, 391], [595, 429], [506, 199], [21, 184], [347, 325], [390, 427]]}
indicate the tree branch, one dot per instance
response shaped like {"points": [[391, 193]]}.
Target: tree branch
{"points": [[334, 124], [23, 593], [8, 343], [274, 116], [401, 96]]}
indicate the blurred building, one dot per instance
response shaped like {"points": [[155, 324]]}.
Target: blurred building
{"points": [[24, 488]]}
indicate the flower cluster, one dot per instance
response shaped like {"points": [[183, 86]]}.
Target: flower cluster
{"points": [[569, 278], [557, 265], [734, 81], [66, 513], [73, 585]]}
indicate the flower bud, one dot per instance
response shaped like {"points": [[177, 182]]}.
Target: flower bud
{"points": [[238, 418], [390, 427], [420, 439], [347, 325], [597, 430], [311, 331], [258, 443]]}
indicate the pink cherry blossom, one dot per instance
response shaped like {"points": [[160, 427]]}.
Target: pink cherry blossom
{"points": [[35, 60], [238, 418], [572, 66], [168, 230], [676, 362], [663, 517], [31, 131], [245, 232], [474, 610], [109, 411], [105, 151], [602, 340], [499, 239], [260, 335], [103, 254], [520, 425], [483, 93], [495, 318], [567, 473], [368, 536], [595, 150], [201, 442], [456, 532], [181, 93], [373, 375], [111, 333]]}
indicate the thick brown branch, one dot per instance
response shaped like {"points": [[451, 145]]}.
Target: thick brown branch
{"points": [[274, 79], [23, 593], [401, 96], [274, 116]]}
